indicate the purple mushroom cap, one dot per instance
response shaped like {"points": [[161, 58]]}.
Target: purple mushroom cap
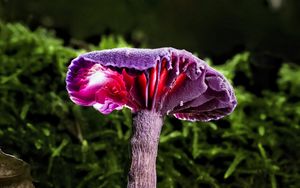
{"points": [[165, 80]]}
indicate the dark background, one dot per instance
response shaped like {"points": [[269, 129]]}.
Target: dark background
{"points": [[214, 28]]}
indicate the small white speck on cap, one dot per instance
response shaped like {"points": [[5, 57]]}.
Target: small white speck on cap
{"points": [[181, 103]]}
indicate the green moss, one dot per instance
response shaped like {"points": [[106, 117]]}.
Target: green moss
{"points": [[71, 146]]}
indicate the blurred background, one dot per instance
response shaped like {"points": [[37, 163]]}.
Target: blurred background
{"points": [[256, 44], [217, 29]]}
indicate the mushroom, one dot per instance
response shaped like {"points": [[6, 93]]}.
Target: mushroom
{"points": [[152, 83]]}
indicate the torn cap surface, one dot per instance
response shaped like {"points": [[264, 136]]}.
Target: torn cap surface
{"points": [[165, 80]]}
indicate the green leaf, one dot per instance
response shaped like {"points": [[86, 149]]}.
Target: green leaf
{"points": [[239, 157], [24, 111], [171, 136]]}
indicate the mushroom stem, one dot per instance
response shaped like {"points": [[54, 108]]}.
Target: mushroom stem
{"points": [[144, 145]]}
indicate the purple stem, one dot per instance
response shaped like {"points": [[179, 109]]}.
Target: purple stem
{"points": [[144, 144]]}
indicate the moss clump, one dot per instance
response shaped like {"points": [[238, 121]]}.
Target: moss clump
{"points": [[70, 146]]}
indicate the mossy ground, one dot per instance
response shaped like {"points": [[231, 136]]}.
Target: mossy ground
{"points": [[70, 146]]}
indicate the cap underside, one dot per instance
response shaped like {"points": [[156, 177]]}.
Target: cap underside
{"points": [[165, 80]]}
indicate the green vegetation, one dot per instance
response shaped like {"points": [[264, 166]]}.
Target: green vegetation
{"points": [[70, 146]]}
